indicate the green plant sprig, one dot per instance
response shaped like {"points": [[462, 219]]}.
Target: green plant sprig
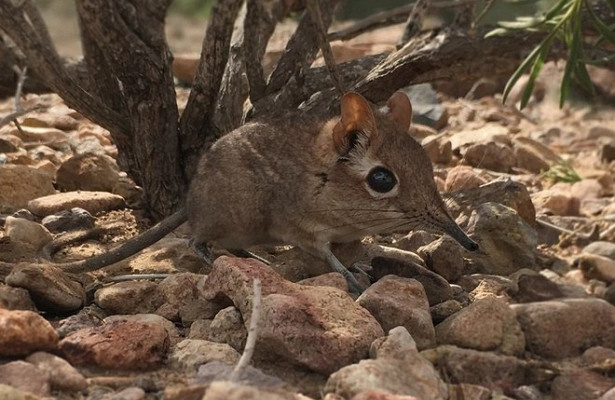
{"points": [[562, 23]]}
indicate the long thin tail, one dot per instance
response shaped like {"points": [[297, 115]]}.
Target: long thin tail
{"points": [[132, 246]]}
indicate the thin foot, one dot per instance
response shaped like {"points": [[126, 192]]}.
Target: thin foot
{"points": [[203, 250], [337, 266], [248, 254]]}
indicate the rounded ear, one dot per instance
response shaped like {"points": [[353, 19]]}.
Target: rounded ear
{"points": [[400, 109], [356, 115]]}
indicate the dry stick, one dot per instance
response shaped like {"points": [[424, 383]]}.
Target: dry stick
{"points": [[323, 43], [301, 48], [195, 122], [387, 18], [414, 23], [483, 12], [248, 351], [260, 22], [19, 110], [42, 57]]}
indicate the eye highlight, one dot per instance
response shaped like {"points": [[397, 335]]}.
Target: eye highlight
{"points": [[381, 180]]}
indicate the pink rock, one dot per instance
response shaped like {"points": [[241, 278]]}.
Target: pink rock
{"points": [[462, 177], [24, 332], [396, 301], [117, 344], [319, 327], [486, 324], [25, 376], [93, 202], [559, 202]]}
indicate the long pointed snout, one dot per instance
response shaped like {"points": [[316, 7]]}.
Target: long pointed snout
{"points": [[454, 231]]}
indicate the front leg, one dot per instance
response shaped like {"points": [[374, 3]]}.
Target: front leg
{"points": [[337, 266]]}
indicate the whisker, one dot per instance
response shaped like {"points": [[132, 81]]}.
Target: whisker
{"points": [[394, 227], [380, 221], [356, 209]]}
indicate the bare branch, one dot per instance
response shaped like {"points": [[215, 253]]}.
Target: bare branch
{"points": [[20, 81], [228, 111], [195, 127], [321, 34], [301, 49], [248, 351], [115, 33], [414, 23], [19, 110], [261, 19], [315, 80], [17, 20], [390, 17]]}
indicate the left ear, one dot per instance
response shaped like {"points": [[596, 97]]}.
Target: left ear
{"points": [[400, 110]]}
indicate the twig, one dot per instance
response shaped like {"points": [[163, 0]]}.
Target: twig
{"points": [[301, 48], [260, 22], [195, 122], [133, 277], [483, 12], [19, 110], [321, 34], [14, 115], [18, 91], [248, 351], [414, 23], [387, 18]]}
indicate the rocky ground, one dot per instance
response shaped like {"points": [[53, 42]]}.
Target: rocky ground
{"points": [[531, 316]]}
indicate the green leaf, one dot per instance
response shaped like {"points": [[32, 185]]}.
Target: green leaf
{"points": [[497, 32], [520, 71], [555, 10], [522, 23], [538, 63], [605, 30]]}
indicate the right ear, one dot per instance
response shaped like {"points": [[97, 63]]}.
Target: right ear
{"points": [[356, 117]]}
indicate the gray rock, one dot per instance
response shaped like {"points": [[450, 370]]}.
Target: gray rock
{"points": [[24, 376], [68, 220], [597, 267], [478, 367], [444, 257], [506, 241], [441, 311], [183, 300], [436, 287], [580, 384], [62, 375], [565, 328], [396, 301], [93, 202], [22, 230], [13, 298], [130, 393], [24, 332], [50, 288], [228, 327], [494, 156], [131, 297], [10, 393], [486, 324], [199, 329], [397, 369], [189, 354], [95, 172], [533, 287], [20, 184], [218, 371]]}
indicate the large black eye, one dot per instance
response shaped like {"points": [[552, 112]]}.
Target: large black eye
{"points": [[381, 180]]}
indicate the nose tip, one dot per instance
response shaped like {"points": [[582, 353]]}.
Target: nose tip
{"points": [[460, 236], [471, 245]]}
